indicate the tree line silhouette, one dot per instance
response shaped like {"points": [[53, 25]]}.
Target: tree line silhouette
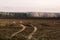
{"points": [[24, 15]]}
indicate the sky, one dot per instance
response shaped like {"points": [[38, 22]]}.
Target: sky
{"points": [[30, 5]]}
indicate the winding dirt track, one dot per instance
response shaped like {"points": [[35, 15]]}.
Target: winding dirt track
{"points": [[30, 35], [23, 28]]}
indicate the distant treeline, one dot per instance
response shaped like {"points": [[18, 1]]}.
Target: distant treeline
{"points": [[26, 15], [14, 15]]}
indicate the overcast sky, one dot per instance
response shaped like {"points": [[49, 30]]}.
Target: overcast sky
{"points": [[30, 5]]}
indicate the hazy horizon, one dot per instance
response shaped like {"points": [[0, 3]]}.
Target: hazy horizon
{"points": [[30, 5]]}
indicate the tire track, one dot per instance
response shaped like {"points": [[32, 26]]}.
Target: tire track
{"points": [[31, 34], [23, 28], [28, 30]]}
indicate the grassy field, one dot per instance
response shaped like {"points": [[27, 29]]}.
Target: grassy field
{"points": [[47, 29]]}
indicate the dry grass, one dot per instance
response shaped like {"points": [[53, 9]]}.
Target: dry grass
{"points": [[48, 29]]}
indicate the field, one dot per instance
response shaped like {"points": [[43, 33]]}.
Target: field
{"points": [[29, 29]]}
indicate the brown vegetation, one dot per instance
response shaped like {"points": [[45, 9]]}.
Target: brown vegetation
{"points": [[47, 29]]}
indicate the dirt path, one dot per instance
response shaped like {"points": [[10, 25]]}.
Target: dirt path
{"points": [[30, 35], [23, 28]]}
